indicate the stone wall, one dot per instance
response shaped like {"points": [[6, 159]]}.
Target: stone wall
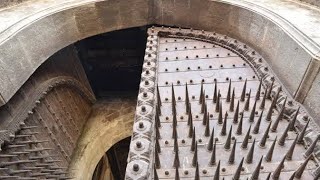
{"points": [[41, 124], [312, 2], [6, 3]]}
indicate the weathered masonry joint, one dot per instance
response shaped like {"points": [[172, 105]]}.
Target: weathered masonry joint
{"points": [[210, 107]]}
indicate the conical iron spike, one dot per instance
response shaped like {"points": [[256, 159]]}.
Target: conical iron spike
{"points": [[231, 107], [256, 172], [195, 156], [257, 126], [284, 135], [269, 154], [210, 143], [213, 155], [301, 169], [250, 154], [236, 114], [243, 94], [177, 176], [217, 172], [224, 125], [233, 152], [229, 92], [239, 129], [259, 90], [277, 172], [193, 142], [253, 112], [265, 136], [245, 141], [228, 141], [302, 133], [247, 103], [293, 120], [263, 101], [207, 130], [289, 154], [238, 171], [311, 147]]}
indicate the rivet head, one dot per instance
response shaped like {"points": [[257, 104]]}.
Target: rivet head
{"points": [[145, 94], [146, 83], [136, 167], [148, 63], [147, 72], [143, 109], [149, 55], [138, 144], [141, 125]]}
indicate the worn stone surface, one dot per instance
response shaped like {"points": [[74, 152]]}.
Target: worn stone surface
{"points": [[41, 124], [312, 101], [111, 121]]}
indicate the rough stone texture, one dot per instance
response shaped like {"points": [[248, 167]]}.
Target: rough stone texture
{"points": [[312, 101], [62, 29], [45, 118], [6, 3], [248, 21], [312, 2], [110, 122]]}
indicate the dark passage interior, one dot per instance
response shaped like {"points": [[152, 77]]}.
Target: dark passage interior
{"points": [[113, 64], [113, 61]]}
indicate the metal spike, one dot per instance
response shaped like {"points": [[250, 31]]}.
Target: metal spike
{"points": [[269, 154], [243, 94], [191, 128], [215, 96], [195, 156], [302, 133], [177, 176], [238, 171], [173, 96], [157, 118], [224, 125], [201, 93], [265, 136], [203, 103], [270, 90], [300, 170], [293, 120], [197, 175], [187, 100], [280, 116], [213, 155], [259, 90], [218, 104], [275, 99], [247, 104], [268, 177], [256, 172], [157, 145], [228, 141], [174, 131], [233, 152], [229, 92], [250, 153], [277, 172], [245, 141], [193, 142], [176, 162], [257, 126], [207, 130], [236, 114], [157, 160], [210, 143], [263, 102], [292, 176], [311, 147], [239, 129], [231, 108], [282, 139], [217, 172], [220, 121], [253, 112], [205, 115], [158, 97], [158, 136], [269, 114], [189, 115], [291, 149], [155, 174], [176, 147]]}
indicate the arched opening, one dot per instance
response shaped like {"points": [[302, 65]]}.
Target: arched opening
{"points": [[113, 163]]}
